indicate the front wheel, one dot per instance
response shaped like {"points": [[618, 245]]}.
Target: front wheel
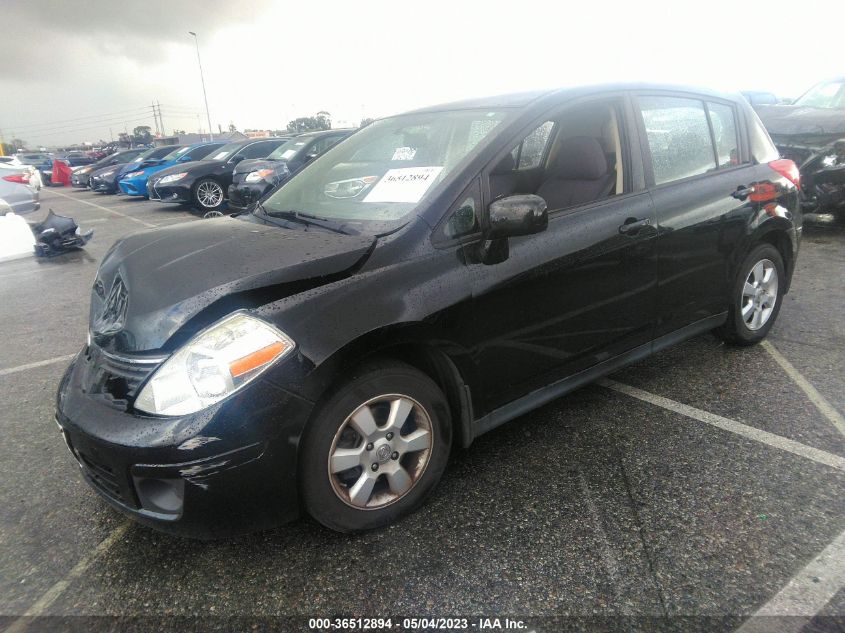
{"points": [[755, 297], [375, 449], [208, 195]]}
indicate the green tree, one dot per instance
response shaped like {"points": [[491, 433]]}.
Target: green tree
{"points": [[141, 135]]}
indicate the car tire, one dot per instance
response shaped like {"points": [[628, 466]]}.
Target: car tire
{"points": [[208, 195], [355, 473], [756, 297]]}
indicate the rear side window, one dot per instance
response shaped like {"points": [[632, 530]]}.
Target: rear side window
{"points": [[678, 137], [723, 120]]}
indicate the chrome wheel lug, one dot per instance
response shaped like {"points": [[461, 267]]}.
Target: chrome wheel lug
{"points": [[374, 467], [394, 455], [389, 435], [369, 446]]}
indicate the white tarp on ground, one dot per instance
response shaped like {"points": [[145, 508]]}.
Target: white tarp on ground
{"points": [[16, 238]]}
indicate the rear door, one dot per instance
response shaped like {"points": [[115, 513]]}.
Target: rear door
{"points": [[695, 159]]}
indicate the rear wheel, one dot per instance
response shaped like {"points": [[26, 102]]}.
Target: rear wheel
{"points": [[755, 297], [375, 449], [208, 195]]}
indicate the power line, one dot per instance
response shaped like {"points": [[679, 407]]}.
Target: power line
{"points": [[63, 121], [69, 127], [144, 119]]}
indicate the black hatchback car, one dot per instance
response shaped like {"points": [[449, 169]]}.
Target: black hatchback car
{"points": [[433, 276], [204, 183], [252, 179]]}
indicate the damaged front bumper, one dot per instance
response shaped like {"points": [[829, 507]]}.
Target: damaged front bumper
{"points": [[227, 469], [822, 173]]}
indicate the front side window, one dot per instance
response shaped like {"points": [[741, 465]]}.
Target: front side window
{"points": [[678, 137], [723, 120], [379, 175]]}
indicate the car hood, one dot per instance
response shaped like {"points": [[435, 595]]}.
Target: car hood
{"points": [[194, 168], [153, 283], [814, 126], [102, 170], [246, 166]]}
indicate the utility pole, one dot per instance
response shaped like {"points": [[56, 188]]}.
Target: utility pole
{"points": [[202, 79], [160, 120], [155, 118]]}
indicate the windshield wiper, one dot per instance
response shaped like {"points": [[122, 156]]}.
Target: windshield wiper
{"points": [[308, 219]]}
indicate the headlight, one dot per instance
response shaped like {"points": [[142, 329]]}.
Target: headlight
{"points": [[172, 178], [261, 174], [134, 174], [106, 174], [214, 364], [348, 188]]}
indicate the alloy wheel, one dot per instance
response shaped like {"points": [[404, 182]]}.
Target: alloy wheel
{"points": [[759, 294], [380, 452], [209, 194]]}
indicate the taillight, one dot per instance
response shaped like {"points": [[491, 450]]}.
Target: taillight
{"points": [[788, 170], [21, 178]]}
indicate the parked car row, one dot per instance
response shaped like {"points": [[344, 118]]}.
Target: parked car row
{"points": [[207, 175]]}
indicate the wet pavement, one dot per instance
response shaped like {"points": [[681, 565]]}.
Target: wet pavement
{"points": [[598, 505]]}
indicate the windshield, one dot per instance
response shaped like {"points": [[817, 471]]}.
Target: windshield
{"points": [[177, 153], [225, 152], [380, 174], [288, 150], [828, 94]]}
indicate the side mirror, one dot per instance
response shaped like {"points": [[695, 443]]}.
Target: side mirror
{"points": [[184, 159], [236, 159], [516, 215]]}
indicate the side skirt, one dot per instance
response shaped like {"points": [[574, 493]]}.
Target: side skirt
{"points": [[542, 396]]}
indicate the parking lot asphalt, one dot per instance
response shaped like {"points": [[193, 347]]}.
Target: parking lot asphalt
{"points": [[700, 482]]}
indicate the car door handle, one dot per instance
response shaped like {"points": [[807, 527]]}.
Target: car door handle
{"points": [[632, 226]]}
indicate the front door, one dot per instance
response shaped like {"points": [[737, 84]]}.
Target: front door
{"points": [[583, 291]]}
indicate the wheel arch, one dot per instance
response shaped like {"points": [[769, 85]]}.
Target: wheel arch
{"points": [[418, 345], [779, 238]]}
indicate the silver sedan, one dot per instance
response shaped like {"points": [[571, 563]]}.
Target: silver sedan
{"points": [[18, 190]]}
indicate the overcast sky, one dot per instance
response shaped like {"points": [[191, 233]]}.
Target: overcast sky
{"points": [[70, 71]]}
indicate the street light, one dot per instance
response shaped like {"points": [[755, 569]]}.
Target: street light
{"points": [[202, 79]]}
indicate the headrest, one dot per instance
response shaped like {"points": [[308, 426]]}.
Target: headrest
{"points": [[505, 165], [580, 158]]}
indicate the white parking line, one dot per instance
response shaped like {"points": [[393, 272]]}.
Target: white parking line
{"points": [[40, 363], [99, 206], [53, 593], [824, 407], [726, 424], [803, 596]]}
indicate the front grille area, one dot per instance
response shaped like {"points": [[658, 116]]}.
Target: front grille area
{"points": [[116, 379], [102, 476]]}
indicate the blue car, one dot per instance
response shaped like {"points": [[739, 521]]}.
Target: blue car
{"points": [[134, 181], [105, 180]]}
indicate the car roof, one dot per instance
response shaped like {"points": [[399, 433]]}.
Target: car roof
{"points": [[522, 99]]}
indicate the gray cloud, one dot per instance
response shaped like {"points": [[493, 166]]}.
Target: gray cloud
{"points": [[41, 36]]}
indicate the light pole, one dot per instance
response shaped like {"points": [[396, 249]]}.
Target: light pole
{"points": [[202, 79]]}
